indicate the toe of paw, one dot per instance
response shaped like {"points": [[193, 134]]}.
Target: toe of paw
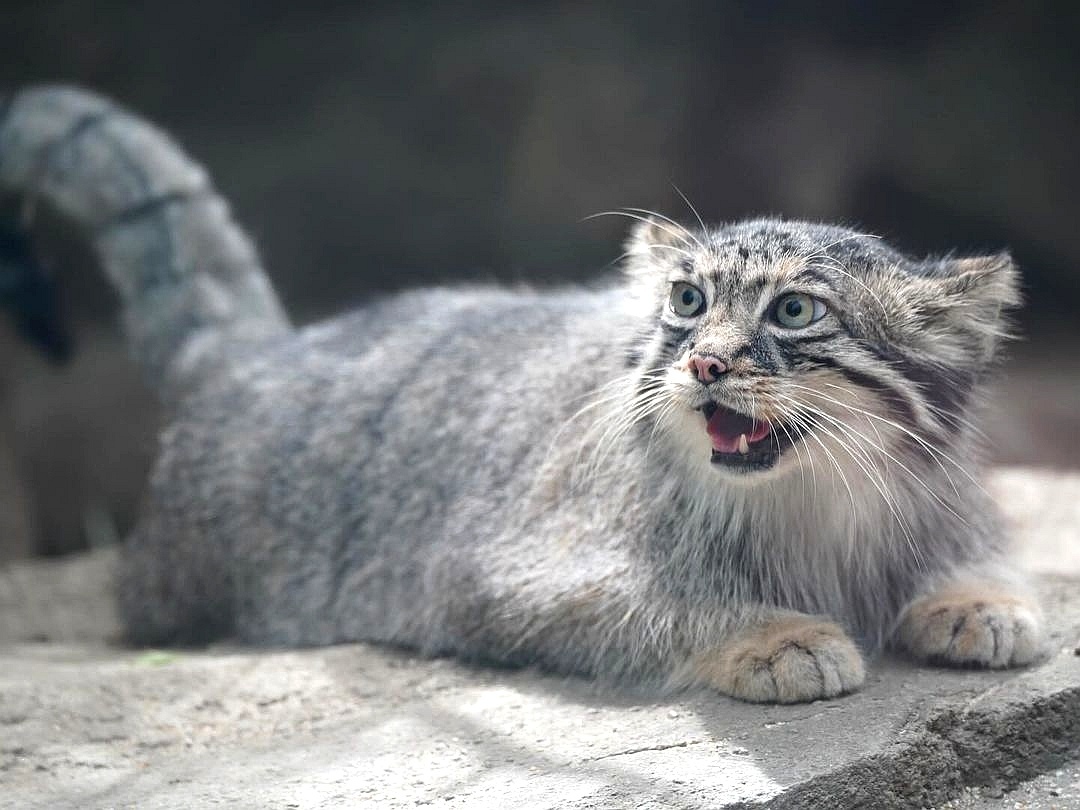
{"points": [[1027, 637], [976, 634], [792, 660], [796, 672], [804, 673], [1024, 636]]}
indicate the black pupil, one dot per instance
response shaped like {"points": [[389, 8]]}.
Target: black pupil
{"points": [[688, 298], [793, 308]]}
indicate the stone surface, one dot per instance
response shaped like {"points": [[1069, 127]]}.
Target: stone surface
{"points": [[1056, 790], [86, 724]]}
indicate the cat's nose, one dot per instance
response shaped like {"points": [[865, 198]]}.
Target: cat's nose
{"points": [[706, 368]]}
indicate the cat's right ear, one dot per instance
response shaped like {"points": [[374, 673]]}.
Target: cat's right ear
{"points": [[650, 241], [651, 234]]}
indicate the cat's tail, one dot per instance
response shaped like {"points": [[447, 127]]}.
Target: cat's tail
{"points": [[192, 289]]}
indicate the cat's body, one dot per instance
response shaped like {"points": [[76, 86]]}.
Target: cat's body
{"points": [[563, 477]]}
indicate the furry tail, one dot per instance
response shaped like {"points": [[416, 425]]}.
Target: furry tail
{"points": [[192, 288]]}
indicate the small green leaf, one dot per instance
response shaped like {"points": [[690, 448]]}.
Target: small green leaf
{"points": [[155, 658]]}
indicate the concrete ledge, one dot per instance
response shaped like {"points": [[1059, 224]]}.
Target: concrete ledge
{"points": [[84, 724]]}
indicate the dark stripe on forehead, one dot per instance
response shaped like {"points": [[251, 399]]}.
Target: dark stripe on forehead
{"points": [[815, 274], [759, 281], [754, 284]]}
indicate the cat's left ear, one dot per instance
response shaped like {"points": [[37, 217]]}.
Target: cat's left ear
{"points": [[978, 293]]}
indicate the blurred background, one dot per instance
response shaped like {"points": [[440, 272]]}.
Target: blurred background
{"points": [[373, 146]]}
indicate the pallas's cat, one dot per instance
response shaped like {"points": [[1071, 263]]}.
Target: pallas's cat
{"points": [[744, 462]]}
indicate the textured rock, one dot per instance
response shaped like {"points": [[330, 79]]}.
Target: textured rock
{"points": [[83, 724]]}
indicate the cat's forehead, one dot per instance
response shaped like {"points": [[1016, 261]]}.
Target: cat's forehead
{"points": [[770, 247]]}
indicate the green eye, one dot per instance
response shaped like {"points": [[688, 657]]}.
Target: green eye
{"points": [[796, 310], [686, 300]]}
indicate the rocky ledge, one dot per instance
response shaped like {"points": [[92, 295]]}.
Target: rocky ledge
{"points": [[84, 723]]}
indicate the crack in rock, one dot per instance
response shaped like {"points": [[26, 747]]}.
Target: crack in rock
{"points": [[627, 752]]}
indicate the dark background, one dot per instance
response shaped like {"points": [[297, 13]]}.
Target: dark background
{"points": [[370, 146]]}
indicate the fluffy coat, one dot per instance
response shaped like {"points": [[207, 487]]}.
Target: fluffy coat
{"points": [[532, 476]]}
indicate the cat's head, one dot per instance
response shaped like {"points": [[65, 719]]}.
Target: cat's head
{"points": [[770, 344]]}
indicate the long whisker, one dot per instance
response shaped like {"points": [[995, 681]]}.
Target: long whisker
{"points": [[683, 251], [610, 393], [849, 430], [660, 420], [637, 409], [870, 422], [678, 225], [801, 421], [681, 236], [798, 453], [873, 475], [835, 264], [935, 452], [690, 205], [879, 484]]}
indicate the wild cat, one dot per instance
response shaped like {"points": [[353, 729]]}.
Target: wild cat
{"points": [[742, 464]]}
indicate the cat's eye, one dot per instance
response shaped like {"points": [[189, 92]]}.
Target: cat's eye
{"points": [[686, 300], [796, 310]]}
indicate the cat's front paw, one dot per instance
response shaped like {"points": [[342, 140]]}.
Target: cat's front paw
{"points": [[982, 626], [788, 660]]}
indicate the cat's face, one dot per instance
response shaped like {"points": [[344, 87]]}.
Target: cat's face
{"points": [[773, 345]]}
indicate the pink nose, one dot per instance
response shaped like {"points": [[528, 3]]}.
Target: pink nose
{"points": [[706, 368]]}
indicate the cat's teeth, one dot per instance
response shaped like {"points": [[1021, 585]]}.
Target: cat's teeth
{"points": [[744, 446]]}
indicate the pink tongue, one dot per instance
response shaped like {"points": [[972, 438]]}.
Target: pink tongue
{"points": [[726, 426]]}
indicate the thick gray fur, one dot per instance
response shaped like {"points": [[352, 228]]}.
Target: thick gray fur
{"points": [[516, 475]]}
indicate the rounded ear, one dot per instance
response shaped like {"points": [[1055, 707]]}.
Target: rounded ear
{"points": [[649, 234], [991, 281], [650, 240], [977, 294]]}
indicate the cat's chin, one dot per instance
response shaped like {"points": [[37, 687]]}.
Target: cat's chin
{"points": [[759, 464], [754, 462]]}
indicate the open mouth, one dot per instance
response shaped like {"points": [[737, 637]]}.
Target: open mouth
{"points": [[740, 442]]}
